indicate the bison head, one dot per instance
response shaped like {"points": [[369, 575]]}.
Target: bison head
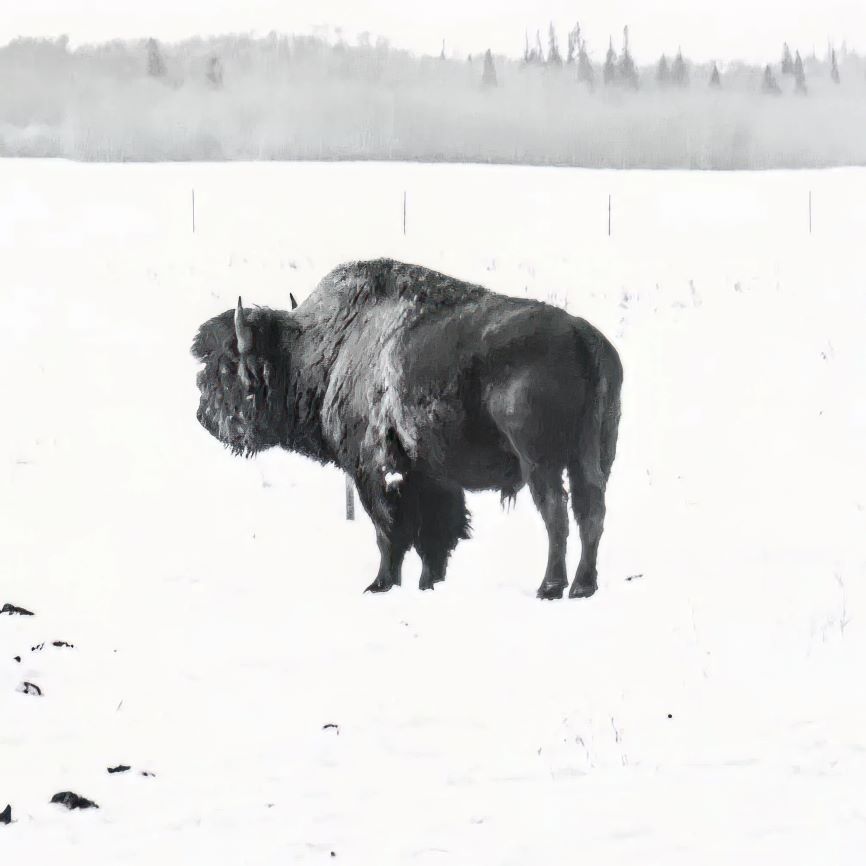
{"points": [[244, 382]]}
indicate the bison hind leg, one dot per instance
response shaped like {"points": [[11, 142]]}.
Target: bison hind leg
{"points": [[443, 522], [545, 484], [588, 473], [587, 499]]}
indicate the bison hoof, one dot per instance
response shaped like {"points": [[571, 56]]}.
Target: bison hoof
{"points": [[429, 581], [378, 586], [582, 590], [550, 591]]}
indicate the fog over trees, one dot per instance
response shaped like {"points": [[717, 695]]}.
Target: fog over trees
{"points": [[302, 97]]}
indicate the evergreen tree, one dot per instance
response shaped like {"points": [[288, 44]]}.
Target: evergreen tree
{"points": [[573, 43], [769, 83], [488, 76], [627, 71], [663, 72], [533, 55], [787, 61], [155, 63], [610, 65], [554, 58], [679, 71], [834, 67], [799, 75], [715, 78], [214, 72], [585, 73]]}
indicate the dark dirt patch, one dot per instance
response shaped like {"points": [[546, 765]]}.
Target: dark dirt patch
{"points": [[73, 801], [14, 609]]}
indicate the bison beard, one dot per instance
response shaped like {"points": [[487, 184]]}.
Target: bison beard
{"points": [[390, 369]]}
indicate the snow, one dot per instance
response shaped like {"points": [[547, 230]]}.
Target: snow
{"points": [[705, 706]]}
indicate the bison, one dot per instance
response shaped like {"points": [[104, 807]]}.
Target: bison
{"points": [[421, 386]]}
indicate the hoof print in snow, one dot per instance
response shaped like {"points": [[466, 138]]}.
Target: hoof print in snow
{"points": [[73, 801], [29, 688], [331, 727], [11, 608], [120, 768], [6, 815], [62, 643]]}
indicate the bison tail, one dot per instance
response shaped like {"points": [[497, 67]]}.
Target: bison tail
{"points": [[599, 425], [612, 411]]}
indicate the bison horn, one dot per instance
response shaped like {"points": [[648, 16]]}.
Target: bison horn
{"points": [[292, 299], [243, 331]]}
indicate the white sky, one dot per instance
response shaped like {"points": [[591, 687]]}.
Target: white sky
{"points": [[707, 29]]}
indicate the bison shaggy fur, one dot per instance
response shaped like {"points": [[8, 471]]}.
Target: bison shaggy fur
{"points": [[394, 371]]}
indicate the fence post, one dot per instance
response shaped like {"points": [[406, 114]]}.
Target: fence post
{"points": [[350, 499]]}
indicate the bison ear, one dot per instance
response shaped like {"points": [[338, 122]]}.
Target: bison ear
{"points": [[292, 299], [243, 331]]}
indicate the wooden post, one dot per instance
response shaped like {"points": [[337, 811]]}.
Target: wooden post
{"points": [[350, 499], [404, 213], [608, 213], [193, 211]]}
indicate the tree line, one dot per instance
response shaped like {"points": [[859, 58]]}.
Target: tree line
{"points": [[304, 97]]}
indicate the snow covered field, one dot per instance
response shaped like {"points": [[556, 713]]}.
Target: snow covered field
{"points": [[709, 711]]}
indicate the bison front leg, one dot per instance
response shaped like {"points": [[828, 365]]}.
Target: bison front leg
{"points": [[391, 553], [391, 514], [443, 522]]}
